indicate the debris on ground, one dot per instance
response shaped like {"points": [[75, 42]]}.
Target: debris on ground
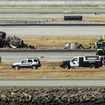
{"points": [[75, 46], [13, 42]]}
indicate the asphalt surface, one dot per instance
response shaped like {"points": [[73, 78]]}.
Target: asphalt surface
{"points": [[48, 15], [55, 55], [51, 82], [53, 31]]}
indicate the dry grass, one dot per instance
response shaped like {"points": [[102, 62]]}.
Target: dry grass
{"points": [[59, 42], [50, 70], [94, 19]]}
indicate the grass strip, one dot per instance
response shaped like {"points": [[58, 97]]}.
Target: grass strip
{"points": [[51, 11], [50, 70]]}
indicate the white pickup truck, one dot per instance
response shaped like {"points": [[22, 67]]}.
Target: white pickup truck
{"points": [[83, 61]]}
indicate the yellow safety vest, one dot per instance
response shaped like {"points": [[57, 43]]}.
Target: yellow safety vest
{"points": [[103, 37]]}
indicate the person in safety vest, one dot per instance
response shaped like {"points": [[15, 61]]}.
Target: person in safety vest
{"points": [[99, 46]]}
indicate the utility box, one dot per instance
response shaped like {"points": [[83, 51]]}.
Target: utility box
{"points": [[72, 17]]}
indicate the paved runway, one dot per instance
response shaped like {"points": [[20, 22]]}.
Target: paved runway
{"points": [[51, 82], [4, 16], [12, 57], [43, 15], [52, 31]]}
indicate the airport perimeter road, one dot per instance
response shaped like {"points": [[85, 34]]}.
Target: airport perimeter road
{"points": [[51, 82], [12, 57], [52, 31]]}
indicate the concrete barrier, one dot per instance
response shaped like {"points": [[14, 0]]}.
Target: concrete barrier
{"points": [[50, 3]]}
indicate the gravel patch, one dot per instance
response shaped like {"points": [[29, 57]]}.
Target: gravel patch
{"points": [[53, 96]]}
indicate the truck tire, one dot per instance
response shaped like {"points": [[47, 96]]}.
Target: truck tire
{"points": [[66, 67], [34, 67], [16, 67], [93, 66]]}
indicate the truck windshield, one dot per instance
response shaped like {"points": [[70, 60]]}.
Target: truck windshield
{"points": [[75, 59]]}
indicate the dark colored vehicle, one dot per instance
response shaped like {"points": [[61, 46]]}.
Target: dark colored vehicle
{"points": [[33, 63], [83, 61]]}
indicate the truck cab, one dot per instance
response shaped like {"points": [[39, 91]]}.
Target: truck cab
{"points": [[83, 61]]}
